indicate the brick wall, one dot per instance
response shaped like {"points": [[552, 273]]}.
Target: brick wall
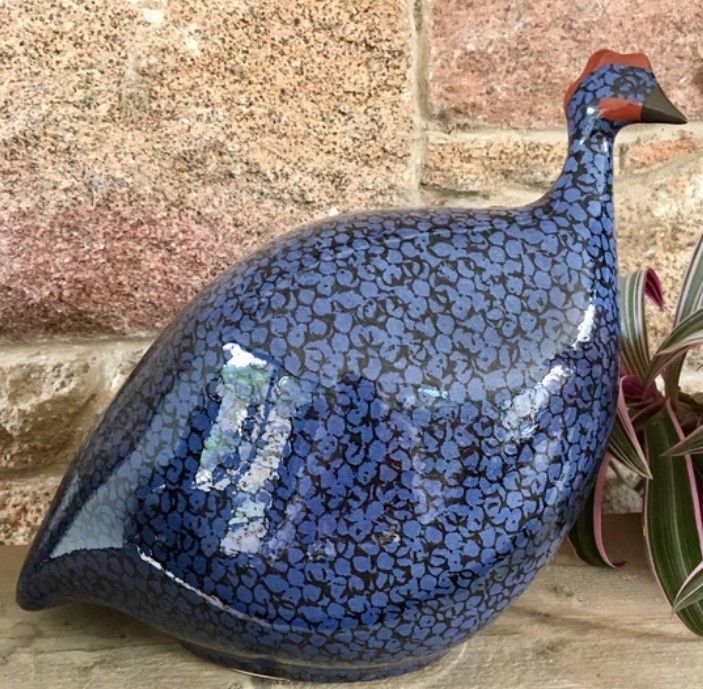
{"points": [[144, 147]]}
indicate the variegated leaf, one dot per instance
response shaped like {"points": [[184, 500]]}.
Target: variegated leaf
{"points": [[586, 536], [634, 344], [672, 519], [690, 300], [691, 444], [688, 333], [691, 294], [623, 444], [691, 590]]}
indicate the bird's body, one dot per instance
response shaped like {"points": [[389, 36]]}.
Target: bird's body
{"points": [[358, 445]]}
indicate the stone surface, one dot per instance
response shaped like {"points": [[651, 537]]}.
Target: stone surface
{"points": [[660, 219], [510, 63], [645, 154], [153, 145], [622, 491], [51, 396], [22, 507], [491, 163]]}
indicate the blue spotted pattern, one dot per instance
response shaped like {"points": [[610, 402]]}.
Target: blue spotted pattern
{"points": [[361, 443]]}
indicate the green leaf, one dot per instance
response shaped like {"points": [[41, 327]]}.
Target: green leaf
{"points": [[692, 340], [622, 449], [690, 300], [691, 294], [691, 444], [624, 444], [672, 515], [688, 333], [634, 347], [691, 590], [586, 535]]}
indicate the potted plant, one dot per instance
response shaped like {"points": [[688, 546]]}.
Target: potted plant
{"points": [[658, 434]]}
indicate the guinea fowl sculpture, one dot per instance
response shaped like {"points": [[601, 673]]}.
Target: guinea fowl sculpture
{"points": [[360, 444]]}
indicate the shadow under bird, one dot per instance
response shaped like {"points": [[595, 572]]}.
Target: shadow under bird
{"points": [[358, 445]]}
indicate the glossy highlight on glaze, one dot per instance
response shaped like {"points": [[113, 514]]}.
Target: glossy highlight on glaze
{"points": [[354, 449]]}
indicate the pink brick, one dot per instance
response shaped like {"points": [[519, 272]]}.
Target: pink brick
{"points": [[509, 63], [143, 151]]}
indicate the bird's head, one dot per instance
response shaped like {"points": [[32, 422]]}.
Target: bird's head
{"points": [[615, 90]]}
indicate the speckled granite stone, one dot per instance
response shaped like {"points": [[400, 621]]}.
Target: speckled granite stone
{"points": [[509, 62], [493, 162], [154, 147], [52, 395], [22, 507], [644, 153]]}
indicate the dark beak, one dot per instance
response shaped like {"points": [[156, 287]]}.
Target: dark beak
{"points": [[658, 108]]}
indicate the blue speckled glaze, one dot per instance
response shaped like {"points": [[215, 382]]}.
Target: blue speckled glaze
{"points": [[361, 443]]}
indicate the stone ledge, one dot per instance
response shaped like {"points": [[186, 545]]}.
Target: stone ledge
{"points": [[486, 162], [574, 627], [489, 163]]}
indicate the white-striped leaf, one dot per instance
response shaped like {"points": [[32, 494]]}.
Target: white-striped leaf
{"points": [[672, 518], [690, 300], [688, 333], [691, 295], [623, 444], [586, 536], [691, 444], [634, 344], [691, 590]]}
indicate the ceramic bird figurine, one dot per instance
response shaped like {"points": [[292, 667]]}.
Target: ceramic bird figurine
{"points": [[357, 446]]}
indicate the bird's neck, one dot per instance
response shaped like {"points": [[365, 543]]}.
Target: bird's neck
{"points": [[583, 196], [588, 169]]}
